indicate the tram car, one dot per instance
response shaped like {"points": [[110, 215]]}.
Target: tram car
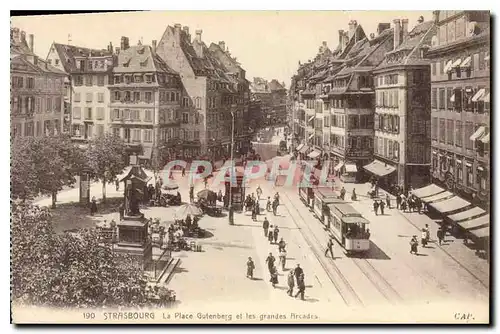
{"points": [[306, 194], [322, 198], [349, 228]]}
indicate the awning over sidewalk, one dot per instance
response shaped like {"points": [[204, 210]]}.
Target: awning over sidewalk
{"points": [[437, 197], [299, 147], [450, 204], [148, 151], [478, 134], [303, 149], [314, 154], [429, 190], [339, 166], [478, 222], [475, 211], [481, 233], [379, 168], [351, 168]]}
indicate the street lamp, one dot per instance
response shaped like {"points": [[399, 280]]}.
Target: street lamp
{"points": [[231, 211]]}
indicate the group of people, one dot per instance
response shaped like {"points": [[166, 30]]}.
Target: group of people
{"points": [[425, 238], [252, 203]]}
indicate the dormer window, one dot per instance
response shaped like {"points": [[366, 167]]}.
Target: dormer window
{"points": [[127, 79], [144, 63], [149, 78], [138, 78], [126, 63], [117, 79]]}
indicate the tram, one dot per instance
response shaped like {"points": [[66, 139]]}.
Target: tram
{"points": [[322, 198], [349, 228]]}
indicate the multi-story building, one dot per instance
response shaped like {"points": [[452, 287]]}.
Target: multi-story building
{"points": [[278, 102], [87, 95], [351, 99], [402, 109], [148, 105], [460, 104], [37, 90], [211, 91]]}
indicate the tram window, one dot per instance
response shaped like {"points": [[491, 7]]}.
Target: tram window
{"points": [[336, 223]]}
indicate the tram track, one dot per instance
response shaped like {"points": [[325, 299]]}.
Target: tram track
{"points": [[344, 288]]}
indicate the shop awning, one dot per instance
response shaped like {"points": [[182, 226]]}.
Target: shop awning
{"points": [[426, 191], [486, 139], [314, 154], [456, 63], [146, 153], [339, 166], [452, 98], [311, 118], [487, 57], [487, 98], [481, 233], [379, 168], [475, 211], [450, 204], [350, 168], [303, 149], [480, 93], [447, 67], [298, 148], [466, 62], [475, 223], [437, 197], [479, 132]]}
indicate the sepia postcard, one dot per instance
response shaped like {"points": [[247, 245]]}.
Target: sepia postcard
{"points": [[257, 167]]}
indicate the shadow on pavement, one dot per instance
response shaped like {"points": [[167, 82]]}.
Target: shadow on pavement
{"points": [[311, 300], [421, 254], [375, 253], [247, 225]]}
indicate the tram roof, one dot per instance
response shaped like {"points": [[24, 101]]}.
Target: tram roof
{"points": [[355, 220], [344, 208]]}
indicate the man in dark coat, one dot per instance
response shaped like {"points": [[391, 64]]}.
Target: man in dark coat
{"points": [[297, 272], [276, 233], [342, 193], [329, 248], [270, 261], [291, 283], [121, 210], [265, 226], [301, 285]]}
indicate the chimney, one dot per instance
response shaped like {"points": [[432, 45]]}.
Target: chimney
{"points": [[124, 43], [117, 50], [198, 47], [372, 36], [23, 36], [31, 39], [435, 16], [186, 32], [420, 20], [324, 44], [346, 40], [341, 39], [404, 29], [397, 33], [153, 45], [177, 32], [352, 28], [110, 47], [15, 35], [222, 45]]}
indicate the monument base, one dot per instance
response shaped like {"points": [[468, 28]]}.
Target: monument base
{"points": [[133, 240]]}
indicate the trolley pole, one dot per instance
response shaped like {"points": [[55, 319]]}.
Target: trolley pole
{"points": [[231, 211]]}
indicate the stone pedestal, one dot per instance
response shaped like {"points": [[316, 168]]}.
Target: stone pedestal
{"points": [[133, 239]]}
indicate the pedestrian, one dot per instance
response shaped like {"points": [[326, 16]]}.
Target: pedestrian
{"points": [[353, 195], [282, 255], [277, 198], [329, 248], [281, 245], [269, 204], [276, 232], [418, 204], [414, 245], [205, 181], [117, 185], [275, 206], [270, 261], [297, 272], [301, 285], [382, 206], [375, 207], [398, 201], [259, 192], [171, 175], [265, 226], [250, 268], [291, 283], [440, 235], [270, 235], [121, 210], [342, 193], [191, 193], [93, 206], [274, 276], [183, 171], [388, 201]]}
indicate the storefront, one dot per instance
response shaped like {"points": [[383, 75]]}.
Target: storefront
{"points": [[302, 151], [349, 173], [384, 173]]}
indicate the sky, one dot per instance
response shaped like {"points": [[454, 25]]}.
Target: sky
{"points": [[268, 44]]}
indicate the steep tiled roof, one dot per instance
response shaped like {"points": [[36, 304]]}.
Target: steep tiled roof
{"points": [[275, 85], [406, 53], [67, 54], [140, 58]]}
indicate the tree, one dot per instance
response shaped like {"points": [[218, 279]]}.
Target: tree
{"points": [[43, 165], [69, 270], [105, 157]]}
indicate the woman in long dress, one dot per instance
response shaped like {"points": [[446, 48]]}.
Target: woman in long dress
{"points": [[250, 268], [274, 277]]}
